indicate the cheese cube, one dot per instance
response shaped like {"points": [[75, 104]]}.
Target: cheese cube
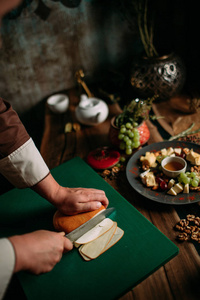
{"points": [[193, 157], [197, 161], [170, 150], [186, 189], [150, 179], [172, 192], [177, 151], [163, 151], [178, 188], [171, 183]]}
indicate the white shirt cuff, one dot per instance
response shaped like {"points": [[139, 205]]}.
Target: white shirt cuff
{"points": [[25, 166], [7, 263]]}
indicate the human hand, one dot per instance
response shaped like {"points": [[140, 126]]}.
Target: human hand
{"points": [[39, 251], [71, 201]]}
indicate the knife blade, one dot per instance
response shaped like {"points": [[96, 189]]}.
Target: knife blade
{"points": [[78, 232]]}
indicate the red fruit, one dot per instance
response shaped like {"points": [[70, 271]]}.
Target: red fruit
{"points": [[163, 185], [159, 180]]}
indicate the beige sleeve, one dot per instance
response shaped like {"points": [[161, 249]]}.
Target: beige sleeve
{"points": [[7, 263], [25, 166]]}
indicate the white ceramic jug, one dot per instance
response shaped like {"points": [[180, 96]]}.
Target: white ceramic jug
{"points": [[91, 111]]}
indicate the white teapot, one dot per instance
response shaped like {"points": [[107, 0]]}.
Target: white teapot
{"points": [[91, 111]]}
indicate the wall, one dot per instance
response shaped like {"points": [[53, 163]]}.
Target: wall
{"points": [[48, 41], [44, 46]]}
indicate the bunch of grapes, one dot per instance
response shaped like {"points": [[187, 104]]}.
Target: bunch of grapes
{"points": [[189, 177], [129, 137]]}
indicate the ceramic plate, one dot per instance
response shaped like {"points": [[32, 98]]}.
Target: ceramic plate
{"points": [[133, 171]]}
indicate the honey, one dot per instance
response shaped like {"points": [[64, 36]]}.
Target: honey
{"points": [[173, 166]]}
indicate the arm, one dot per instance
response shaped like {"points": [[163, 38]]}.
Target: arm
{"points": [[7, 263], [23, 166], [70, 200]]}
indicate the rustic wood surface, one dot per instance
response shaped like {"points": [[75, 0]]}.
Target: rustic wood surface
{"points": [[177, 279]]}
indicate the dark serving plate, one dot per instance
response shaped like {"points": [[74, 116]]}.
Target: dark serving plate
{"points": [[133, 171]]}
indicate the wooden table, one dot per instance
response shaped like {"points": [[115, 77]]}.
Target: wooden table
{"points": [[180, 277]]}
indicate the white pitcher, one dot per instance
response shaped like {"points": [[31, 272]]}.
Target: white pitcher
{"points": [[91, 111]]}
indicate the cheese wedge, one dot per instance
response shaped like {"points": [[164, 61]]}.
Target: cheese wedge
{"points": [[171, 183], [178, 188], [186, 189], [172, 192]]}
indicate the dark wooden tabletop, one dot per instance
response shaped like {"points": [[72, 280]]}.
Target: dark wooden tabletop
{"points": [[180, 277]]}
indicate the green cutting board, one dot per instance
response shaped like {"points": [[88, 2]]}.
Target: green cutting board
{"points": [[141, 251]]}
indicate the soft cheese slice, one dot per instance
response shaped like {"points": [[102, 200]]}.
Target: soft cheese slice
{"points": [[95, 232], [95, 248], [116, 237]]}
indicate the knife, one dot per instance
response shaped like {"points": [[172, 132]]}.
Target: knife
{"points": [[78, 232]]}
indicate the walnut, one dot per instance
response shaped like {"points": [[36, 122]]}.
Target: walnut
{"points": [[184, 222], [189, 228], [106, 173], [183, 236], [194, 237], [190, 217], [192, 188], [178, 227], [115, 170]]}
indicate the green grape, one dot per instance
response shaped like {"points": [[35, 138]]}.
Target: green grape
{"points": [[179, 179], [122, 146], [193, 174], [128, 125], [128, 142], [135, 124], [121, 136], [137, 133], [182, 175], [118, 165], [159, 158], [136, 138], [137, 144], [126, 138], [122, 130], [186, 180], [194, 183], [122, 159], [133, 145], [128, 151], [131, 134], [128, 146]]}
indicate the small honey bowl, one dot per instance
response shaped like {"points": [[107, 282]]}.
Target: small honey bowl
{"points": [[172, 166]]}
